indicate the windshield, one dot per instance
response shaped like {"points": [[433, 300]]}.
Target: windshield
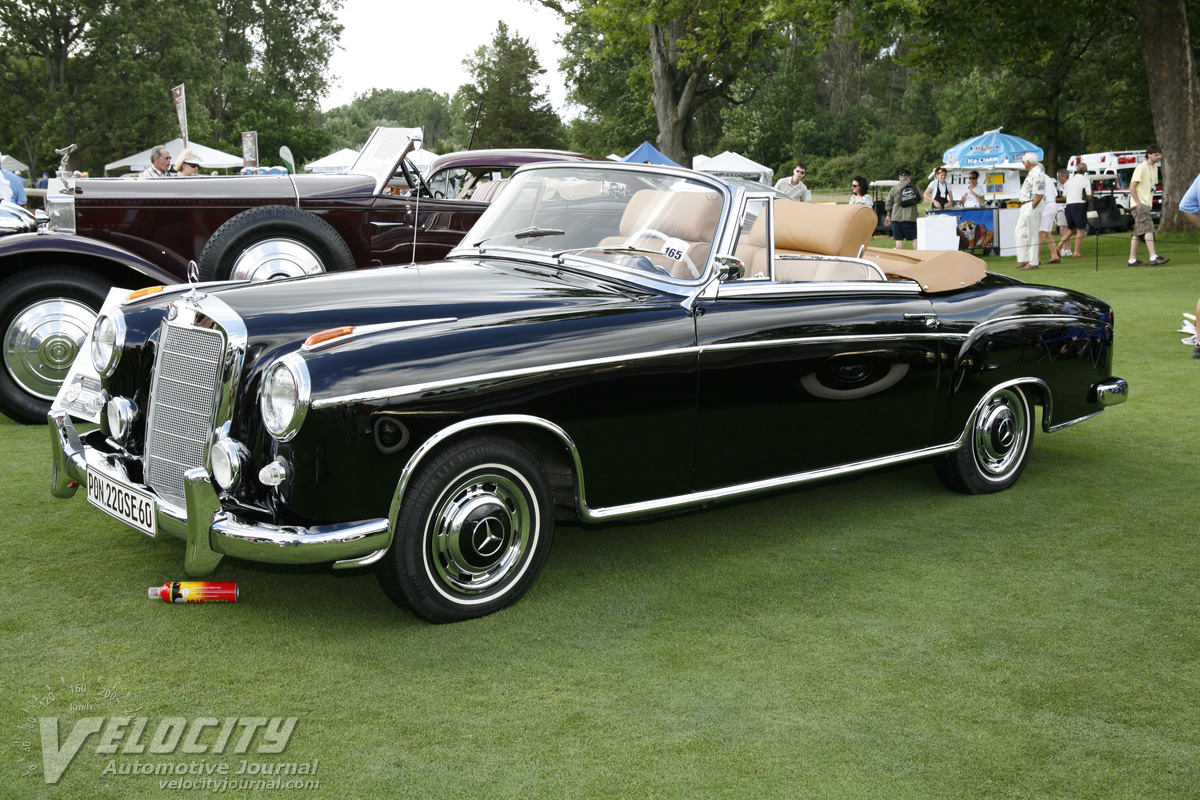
{"points": [[631, 219], [380, 156]]}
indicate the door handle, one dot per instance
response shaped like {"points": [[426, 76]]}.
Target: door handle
{"points": [[930, 319]]}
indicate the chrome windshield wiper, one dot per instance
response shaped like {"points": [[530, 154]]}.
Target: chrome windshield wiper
{"points": [[605, 248], [532, 232]]}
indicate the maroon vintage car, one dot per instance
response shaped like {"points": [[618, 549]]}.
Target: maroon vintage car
{"points": [[136, 233], [480, 174]]}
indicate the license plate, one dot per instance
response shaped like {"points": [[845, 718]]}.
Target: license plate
{"points": [[118, 500]]}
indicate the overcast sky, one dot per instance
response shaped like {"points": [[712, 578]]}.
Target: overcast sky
{"points": [[416, 44]]}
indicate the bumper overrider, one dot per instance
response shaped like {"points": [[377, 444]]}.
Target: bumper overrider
{"points": [[210, 531]]}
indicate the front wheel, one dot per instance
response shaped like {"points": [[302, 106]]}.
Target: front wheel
{"points": [[473, 532], [45, 315], [996, 448]]}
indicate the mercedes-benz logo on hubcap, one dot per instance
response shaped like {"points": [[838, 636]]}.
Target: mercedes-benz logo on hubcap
{"points": [[487, 536]]}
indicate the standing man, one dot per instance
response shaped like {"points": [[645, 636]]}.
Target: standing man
{"points": [[1033, 192], [44, 181], [160, 162], [901, 205], [1141, 198], [1078, 192], [794, 186]]}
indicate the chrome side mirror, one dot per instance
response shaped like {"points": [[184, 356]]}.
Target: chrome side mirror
{"points": [[729, 268]]}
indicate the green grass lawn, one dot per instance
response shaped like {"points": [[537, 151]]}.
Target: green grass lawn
{"points": [[873, 638]]}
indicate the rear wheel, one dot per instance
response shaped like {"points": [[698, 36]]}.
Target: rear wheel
{"points": [[996, 449], [45, 315], [472, 534]]}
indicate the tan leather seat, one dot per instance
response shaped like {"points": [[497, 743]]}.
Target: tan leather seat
{"points": [[811, 229], [487, 192], [689, 216]]}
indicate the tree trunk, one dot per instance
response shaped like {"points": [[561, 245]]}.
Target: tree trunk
{"points": [[1174, 99], [673, 108]]}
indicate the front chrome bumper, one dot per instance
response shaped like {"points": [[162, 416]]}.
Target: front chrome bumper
{"points": [[210, 531]]}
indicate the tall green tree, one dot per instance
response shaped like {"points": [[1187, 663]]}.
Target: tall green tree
{"points": [[351, 124], [694, 51], [99, 73], [510, 108]]}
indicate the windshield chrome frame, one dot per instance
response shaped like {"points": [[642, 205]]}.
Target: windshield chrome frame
{"points": [[374, 152], [723, 236]]}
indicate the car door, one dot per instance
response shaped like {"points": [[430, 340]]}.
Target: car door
{"points": [[406, 229], [804, 375]]}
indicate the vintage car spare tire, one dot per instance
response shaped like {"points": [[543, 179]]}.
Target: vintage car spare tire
{"points": [[45, 315], [473, 531], [271, 242]]}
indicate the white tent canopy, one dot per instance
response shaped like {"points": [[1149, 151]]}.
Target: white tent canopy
{"points": [[334, 162], [209, 158], [12, 165], [733, 165]]}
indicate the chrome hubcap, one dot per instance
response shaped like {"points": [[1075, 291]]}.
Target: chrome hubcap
{"points": [[272, 259], [1000, 434], [42, 341], [481, 533]]}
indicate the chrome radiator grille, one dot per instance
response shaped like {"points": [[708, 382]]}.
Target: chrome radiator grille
{"points": [[183, 403]]}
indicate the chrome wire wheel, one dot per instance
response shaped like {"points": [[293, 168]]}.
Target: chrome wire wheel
{"points": [[481, 530], [273, 259], [42, 341]]}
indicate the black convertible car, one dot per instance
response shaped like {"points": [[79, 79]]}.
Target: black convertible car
{"points": [[609, 341]]}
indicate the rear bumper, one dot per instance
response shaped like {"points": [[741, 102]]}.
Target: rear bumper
{"points": [[1111, 392], [210, 531]]}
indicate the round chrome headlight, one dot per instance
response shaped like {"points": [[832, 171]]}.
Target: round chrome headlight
{"points": [[108, 337], [285, 396], [120, 412], [229, 460]]}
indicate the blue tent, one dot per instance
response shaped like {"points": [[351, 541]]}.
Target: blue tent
{"points": [[646, 152], [989, 148]]}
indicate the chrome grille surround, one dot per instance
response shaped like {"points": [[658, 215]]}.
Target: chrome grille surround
{"points": [[197, 365]]}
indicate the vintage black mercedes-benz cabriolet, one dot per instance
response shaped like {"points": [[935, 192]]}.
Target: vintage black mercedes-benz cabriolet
{"points": [[608, 341]]}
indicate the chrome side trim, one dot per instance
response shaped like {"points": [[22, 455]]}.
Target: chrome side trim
{"points": [[755, 487], [677, 502], [566, 366], [752, 289], [1069, 423]]}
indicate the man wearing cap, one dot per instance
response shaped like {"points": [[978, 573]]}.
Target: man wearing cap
{"points": [[1029, 220], [1141, 197], [160, 162]]}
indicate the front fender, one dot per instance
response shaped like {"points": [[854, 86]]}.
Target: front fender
{"points": [[25, 250]]}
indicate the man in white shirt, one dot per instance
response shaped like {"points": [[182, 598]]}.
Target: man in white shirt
{"points": [[160, 162], [1141, 197], [794, 186], [1029, 219], [1078, 193]]}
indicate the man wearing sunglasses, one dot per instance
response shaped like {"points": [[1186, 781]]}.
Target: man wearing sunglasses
{"points": [[794, 186]]}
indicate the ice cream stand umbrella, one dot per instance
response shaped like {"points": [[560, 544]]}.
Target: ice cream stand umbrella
{"points": [[996, 156]]}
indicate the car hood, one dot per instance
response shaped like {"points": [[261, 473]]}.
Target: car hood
{"points": [[410, 301]]}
